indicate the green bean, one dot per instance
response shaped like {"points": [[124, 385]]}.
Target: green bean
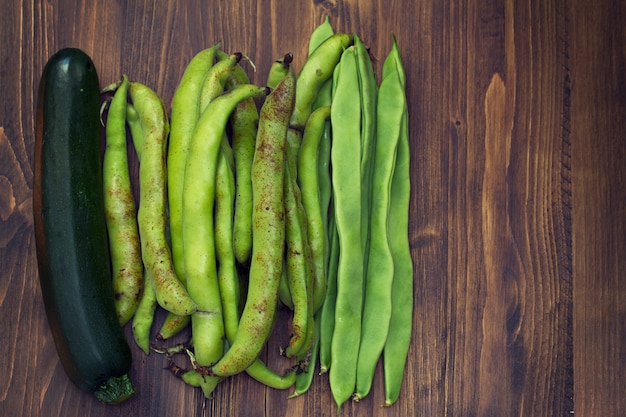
{"points": [[368, 87], [309, 185], [144, 315], [380, 272], [346, 178], [244, 121], [316, 70], [217, 76], [284, 292], [198, 229], [227, 278], [305, 378], [401, 323], [299, 267], [322, 32], [268, 232], [279, 69], [327, 311], [171, 293], [319, 35], [134, 125], [185, 115], [119, 204], [227, 274]]}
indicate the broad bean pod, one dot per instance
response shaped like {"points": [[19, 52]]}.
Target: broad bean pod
{"points": [[119, 205], [198, 223], [309, 185], [268, 232], [152, 215], [243, 121]]}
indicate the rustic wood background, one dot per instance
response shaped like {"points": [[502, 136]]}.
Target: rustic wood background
{"points": [[517, 121]]}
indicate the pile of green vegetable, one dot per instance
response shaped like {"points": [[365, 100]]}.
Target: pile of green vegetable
{"points": [[303, 202]]}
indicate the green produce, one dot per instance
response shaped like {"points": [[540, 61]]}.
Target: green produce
{"points": [[152, 215], [243, 122], [346, 180], [198, 223], [268, 232], [380, 272], [401, 323], [119, 205], [68, 205]]}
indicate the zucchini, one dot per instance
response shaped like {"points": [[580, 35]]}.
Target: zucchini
{"points": [[70, 230]]}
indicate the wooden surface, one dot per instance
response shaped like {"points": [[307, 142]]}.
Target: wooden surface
{"points": [[517, 121]]}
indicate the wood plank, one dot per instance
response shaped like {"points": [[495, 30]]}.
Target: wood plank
{"points": [[598, 122], [517, 272]]}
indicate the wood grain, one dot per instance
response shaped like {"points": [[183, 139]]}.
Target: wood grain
{"points": [[517, 116]]}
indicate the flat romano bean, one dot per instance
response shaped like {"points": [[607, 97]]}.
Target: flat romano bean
{"points": [[398, 341], [152, 216], [119, 205], [322, 32], [268, 232], [346, 179], [327, 311], [380, 272], [207, 323], [309, 185], [369, 93]]}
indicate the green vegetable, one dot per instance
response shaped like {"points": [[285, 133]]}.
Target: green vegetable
{"points": [[401, 323], [346, 179], [120, 212], [152, 216], [68, 206], [268, 232]]}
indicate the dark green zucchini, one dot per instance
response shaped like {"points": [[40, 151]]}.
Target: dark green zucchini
{"points": [[70, 229]]}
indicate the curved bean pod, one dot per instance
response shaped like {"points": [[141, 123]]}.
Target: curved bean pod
{"points": [[299, 267], [279, 69], [171, 293], [144, 315], [309, 185], [244, 121], [119, 205], [318, 68], [185, 115], [216, 78], [268, 233], [198, 227]]}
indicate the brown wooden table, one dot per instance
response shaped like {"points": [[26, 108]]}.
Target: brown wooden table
{"points": [[518, 225]]}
